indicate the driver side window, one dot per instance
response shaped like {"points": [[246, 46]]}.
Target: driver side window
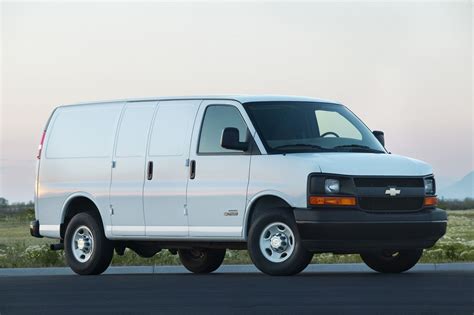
{"points": [[216, 119], [334, 123]]}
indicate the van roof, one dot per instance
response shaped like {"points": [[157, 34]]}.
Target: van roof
{"points": [[238, 98]]}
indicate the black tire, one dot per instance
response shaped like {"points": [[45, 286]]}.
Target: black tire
{"points": [[102, 250], [296, 262], [392, 261], [201, 260]]}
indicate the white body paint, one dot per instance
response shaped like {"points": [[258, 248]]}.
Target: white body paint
{"points": [[171, 205]]}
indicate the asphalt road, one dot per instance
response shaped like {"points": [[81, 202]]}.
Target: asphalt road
{"points": [[427, 292]]}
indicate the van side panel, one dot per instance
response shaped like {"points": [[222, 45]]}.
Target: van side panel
{"points": [[128, 175], [165, 192], [76, 160]]}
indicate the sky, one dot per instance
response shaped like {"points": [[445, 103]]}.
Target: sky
{"points": [[402, 67]]}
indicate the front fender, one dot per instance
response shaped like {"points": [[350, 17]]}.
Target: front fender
{"points": [[251, 202]]}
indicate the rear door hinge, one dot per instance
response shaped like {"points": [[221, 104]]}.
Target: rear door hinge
{"points": [[111, 210], [186, 210]]}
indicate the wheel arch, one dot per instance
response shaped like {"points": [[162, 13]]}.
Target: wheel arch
{"points": [[78, 203], [261, 203]]}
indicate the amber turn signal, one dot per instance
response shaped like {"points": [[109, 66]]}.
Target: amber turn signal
{"points": [[431, 201], [332, 201]]}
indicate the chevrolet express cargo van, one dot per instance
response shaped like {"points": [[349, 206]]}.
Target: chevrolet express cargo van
{"points": [[283, 177]]}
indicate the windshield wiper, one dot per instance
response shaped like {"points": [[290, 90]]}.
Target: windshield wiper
{"points": [[299, 145], [359, 147]]}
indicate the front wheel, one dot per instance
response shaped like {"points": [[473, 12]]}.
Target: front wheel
{"points": [[389, 261], [275, 246], [87, 250], [201, 260]]}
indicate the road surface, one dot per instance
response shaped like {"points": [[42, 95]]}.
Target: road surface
{"points": [[415, 292]]}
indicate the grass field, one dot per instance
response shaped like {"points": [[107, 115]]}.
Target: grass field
{"points": [[19, 249]]}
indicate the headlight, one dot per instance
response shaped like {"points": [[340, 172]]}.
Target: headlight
{"points": [[331, 186], [429, 186]]}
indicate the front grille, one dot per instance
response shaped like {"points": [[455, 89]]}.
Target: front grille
{"points": [[377, 193], [388, 204], [388, 182]]}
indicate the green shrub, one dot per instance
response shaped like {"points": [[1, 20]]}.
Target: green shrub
{"points": [[20, 255], [456, 204]]}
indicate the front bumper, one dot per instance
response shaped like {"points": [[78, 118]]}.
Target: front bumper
{"points": [[355, 231]]}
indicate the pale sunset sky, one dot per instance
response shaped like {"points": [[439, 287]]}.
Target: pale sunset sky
{"points": [[402, 67]]}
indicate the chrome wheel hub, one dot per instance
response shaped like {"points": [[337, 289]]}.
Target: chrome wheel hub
{"points": [[277, 242], [82, 244]]}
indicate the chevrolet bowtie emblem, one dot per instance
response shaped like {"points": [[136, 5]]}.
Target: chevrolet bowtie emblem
{"points": [[392, 192]]}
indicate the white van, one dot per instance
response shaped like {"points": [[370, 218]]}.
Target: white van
{"points": [[283, 177]]}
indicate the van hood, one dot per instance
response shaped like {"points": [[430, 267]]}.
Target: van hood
{"points": [[371, 164]]}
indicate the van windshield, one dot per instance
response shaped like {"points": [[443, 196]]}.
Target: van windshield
{"points": [[291, 127]]}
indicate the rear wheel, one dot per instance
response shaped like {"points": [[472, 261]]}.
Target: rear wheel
{"points": [[275, 246], [201, 260], [389, 261], [87, 250]]}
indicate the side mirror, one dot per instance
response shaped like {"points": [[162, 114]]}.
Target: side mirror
{"points": [[380, 136], [230, 140]]}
